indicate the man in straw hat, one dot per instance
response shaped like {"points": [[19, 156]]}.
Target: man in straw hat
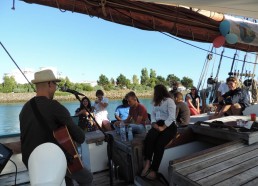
{"points": [[35, 132]]}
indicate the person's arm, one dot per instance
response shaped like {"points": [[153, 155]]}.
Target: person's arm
{"points": [[171, 107], [153, 119], [142, 112], [189, 102], [198, 105], [117, 113], [153, 116], [104, 103], [126, 121], [118, 118]]}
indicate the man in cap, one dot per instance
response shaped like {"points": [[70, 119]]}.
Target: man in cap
{"points": [[55, 115]]}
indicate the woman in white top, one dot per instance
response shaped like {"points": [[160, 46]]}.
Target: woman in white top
{"points": [[162, 132], [100, 109]]}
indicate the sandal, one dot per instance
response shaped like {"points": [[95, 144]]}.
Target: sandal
{"points": [[144, 174], [151, 175]]}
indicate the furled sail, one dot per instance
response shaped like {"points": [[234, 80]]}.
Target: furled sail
{"points": [[188, 23]]}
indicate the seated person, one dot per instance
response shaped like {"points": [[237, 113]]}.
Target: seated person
{"points": [[122, 111], [85, 121], [193, 101], [137, 114], [232, 102], [182, 111], [174, 89], [100, 109]]}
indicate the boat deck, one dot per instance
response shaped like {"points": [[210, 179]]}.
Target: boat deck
{"points": [[7, 176], [232, 165], [100, 178]]}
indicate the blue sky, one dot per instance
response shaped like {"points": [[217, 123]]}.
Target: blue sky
{"points": [[82, 47]]}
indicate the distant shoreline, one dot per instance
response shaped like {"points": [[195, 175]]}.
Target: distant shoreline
{"points": [[63, 96]]}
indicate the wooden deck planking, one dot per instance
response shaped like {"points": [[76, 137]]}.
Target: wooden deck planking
{"points": [[229, 173], [224, 156], [9, 179], [207, 154], [224, 165], [251, 182], [99, 179], [242, 178], [238, 166]]}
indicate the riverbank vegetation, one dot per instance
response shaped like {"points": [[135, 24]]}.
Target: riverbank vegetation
{"points": [[11, 91]]}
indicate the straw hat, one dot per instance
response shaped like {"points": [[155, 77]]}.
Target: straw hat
{"points": [[44, 76]]}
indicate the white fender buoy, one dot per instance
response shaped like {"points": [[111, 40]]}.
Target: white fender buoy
{"points": [[47, 165]]}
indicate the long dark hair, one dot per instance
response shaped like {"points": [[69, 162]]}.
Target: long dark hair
{"points": [[160, 93], [88, 106]]}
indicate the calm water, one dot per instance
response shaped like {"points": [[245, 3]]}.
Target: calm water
{"points": [[9, 113]]}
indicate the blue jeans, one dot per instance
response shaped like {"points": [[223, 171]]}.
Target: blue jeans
{"points": [[137, 128]]}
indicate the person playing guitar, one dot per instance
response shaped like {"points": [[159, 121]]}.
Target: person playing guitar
{"points": [[42, 116]]}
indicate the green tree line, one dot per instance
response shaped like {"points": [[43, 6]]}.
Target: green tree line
{"points": [[146, 81]]}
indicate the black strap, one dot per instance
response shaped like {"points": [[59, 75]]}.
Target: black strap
{"points": [[44, 124]]}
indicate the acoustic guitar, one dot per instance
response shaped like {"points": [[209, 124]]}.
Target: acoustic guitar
{"points": [[63, 137]]}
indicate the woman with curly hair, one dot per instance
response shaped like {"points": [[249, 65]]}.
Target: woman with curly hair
{"points": [[85, 121]]}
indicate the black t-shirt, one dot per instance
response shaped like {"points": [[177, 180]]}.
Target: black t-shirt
{"points": [[33, 134]]}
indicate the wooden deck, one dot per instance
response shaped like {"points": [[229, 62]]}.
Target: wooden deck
{"points": [[100, 179], [235, 164]]}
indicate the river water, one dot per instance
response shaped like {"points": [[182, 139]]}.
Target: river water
{"points": [[9, 113]]}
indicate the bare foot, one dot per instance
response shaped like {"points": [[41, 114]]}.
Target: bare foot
{"points": [[151, 175]]}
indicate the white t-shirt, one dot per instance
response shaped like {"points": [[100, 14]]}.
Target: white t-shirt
{"points": [[99, 108], [223, 88], [101, 113]]}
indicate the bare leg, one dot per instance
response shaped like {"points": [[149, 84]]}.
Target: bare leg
{"points": [[106, 125], [236, 109], [224, 109], [146, 167]]}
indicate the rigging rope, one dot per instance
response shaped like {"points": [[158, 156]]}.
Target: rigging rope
{"points": [[214, 60], [204, 69], [215, 86], [232, 65], [243, 66], [17, 66]]}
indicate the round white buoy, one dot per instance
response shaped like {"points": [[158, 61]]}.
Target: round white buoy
{"points": [[47, 165]]}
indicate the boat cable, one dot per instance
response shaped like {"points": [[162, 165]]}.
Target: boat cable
{"points": [[182, 41], [13, 7], [205, 68], [220, 61], [243, 66], [254, 83], [232, 65], [215, 86], [206, 72], [16, 171], [17, 66]]}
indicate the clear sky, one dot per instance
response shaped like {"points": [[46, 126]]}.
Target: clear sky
{"points": [[82, 47]]}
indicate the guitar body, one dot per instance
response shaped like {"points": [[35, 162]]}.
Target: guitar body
{"points": [[63, 137]]}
